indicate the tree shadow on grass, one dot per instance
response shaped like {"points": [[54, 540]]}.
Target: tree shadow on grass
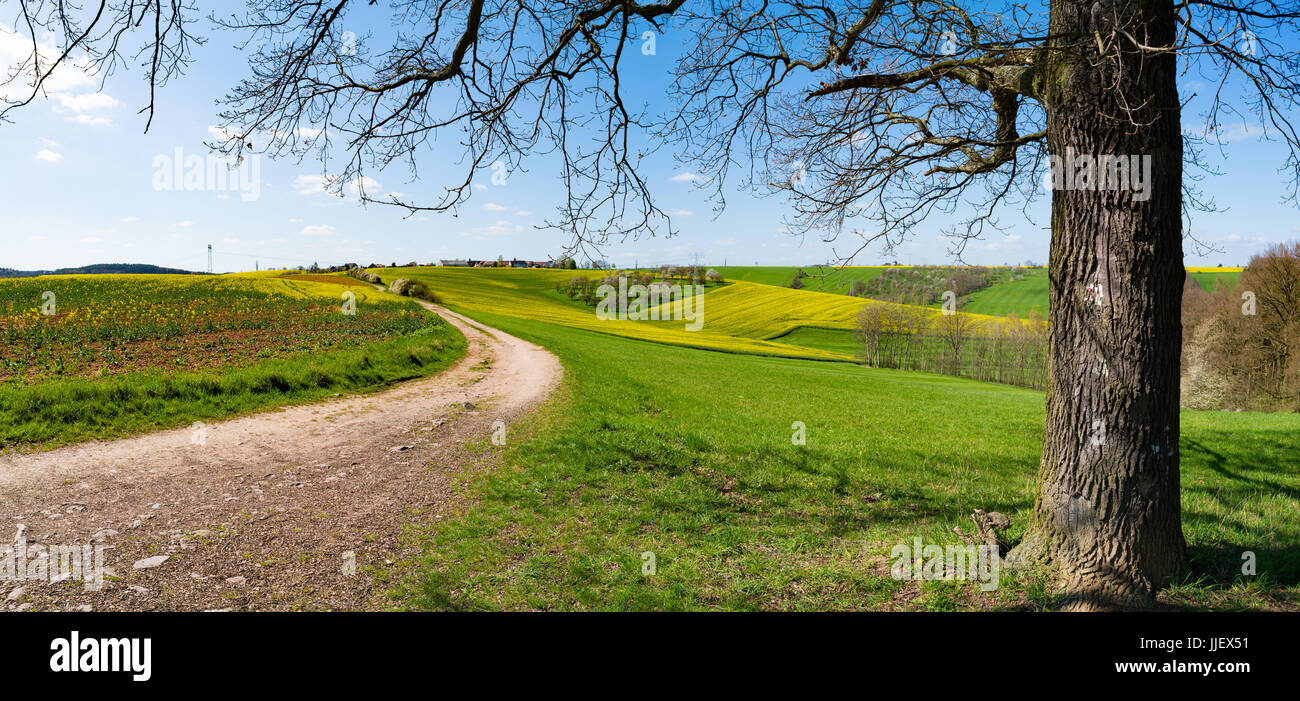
{"points": [[1240, 472], [1261, 468], [884, 500]]}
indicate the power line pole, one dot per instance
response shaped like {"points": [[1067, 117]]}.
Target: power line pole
{"points": [[209, 259]]}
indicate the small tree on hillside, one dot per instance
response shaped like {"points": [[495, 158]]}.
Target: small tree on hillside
{"points": [[955, 330]]}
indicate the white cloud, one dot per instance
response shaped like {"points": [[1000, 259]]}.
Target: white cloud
{"points": [[84, 107], [318, 230], [220, 134], [685, 178], [1227, 133], [86, 102], [319, 184], [185, 224], [523, 213], [48, 156], [480, 186], [128, 220], [15, 50], [502, 227], [49, 142], [493, 207], [680, 212], [367, 186], [310, 184], [90, 121], [90, 239]]}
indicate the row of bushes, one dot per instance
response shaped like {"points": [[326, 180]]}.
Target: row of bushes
{"points": [[923, 285], [364, 275], [401, 286], [696, 274], [415, 289], [584, 288], [1005, 350]]}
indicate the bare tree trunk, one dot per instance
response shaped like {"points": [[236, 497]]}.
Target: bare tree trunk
{"points": [[1107, 513]]}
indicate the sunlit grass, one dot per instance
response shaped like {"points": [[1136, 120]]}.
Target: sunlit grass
{"points": [[688, 454]]}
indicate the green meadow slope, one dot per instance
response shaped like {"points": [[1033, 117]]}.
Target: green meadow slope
{"points": [[654, 447], [1019, 297], [689, 455], [1210, 281]]}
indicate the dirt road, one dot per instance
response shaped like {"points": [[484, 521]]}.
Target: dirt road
{"points": [[259, 512]]}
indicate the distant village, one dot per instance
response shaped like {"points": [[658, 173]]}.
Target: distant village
{"points": [[562, 264]]}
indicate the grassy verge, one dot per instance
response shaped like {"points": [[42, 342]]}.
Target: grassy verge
{"points": [[688, 454], [68, 410]]}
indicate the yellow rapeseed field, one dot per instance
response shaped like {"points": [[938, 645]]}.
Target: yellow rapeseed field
{"points": [[739, 317]]}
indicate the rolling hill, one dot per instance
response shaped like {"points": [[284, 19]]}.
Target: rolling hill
{"points": [[742, 317], [1003, 298]]}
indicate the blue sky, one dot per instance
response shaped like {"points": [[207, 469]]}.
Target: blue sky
{"points": [[80, 189]]}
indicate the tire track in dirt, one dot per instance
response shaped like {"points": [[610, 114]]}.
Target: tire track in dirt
{"points": [[260, 516]]}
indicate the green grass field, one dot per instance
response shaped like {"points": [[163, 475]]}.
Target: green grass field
{"points": [[835, 340], [1020, 297], [1211, 281], [688, 454]]}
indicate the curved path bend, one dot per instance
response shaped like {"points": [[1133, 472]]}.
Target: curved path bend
{"points": [[261, 513]]}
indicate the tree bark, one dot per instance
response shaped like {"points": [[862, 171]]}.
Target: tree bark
{"points": [[1106, 517]]}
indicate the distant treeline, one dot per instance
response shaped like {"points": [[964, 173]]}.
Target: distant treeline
{"points": [[1004, 349], [100, 269], [1237, 341]]}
